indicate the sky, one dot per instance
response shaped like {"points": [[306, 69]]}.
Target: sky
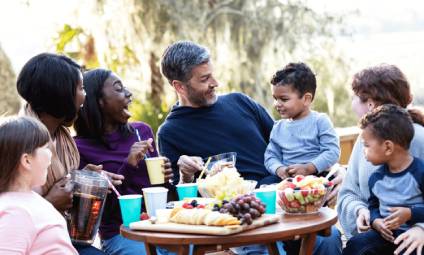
{"points": [[389, 31], [381, 31]]}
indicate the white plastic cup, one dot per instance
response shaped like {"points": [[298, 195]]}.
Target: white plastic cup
{"points": [[154, 169], [155, 198]]}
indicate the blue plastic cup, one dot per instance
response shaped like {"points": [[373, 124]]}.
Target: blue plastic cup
{"points": [[268, 196], [187, 190], [130, 208]]}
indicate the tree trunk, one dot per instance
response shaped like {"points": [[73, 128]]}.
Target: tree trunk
{"points": [[9, 98]]}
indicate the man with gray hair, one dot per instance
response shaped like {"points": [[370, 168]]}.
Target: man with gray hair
{"points": [[202, 124]]}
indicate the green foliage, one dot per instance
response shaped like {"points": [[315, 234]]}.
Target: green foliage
{"points": [[248, 40], [145, 111], [333, 87], [65, 36], [118, 60], [76, 43], [9, 99]]}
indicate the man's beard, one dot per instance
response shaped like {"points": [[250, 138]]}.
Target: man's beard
{"points": [[198, 98]]}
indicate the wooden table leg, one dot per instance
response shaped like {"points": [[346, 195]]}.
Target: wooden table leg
{"points": [[150, 249], [179, 250], [183, 250], [202, 249], [308, 242], [272, 248]]}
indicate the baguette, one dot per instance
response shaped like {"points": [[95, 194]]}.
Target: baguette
{"points": [[201, 216]]}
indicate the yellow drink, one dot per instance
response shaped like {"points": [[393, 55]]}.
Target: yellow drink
{"points": [[155, 170]]}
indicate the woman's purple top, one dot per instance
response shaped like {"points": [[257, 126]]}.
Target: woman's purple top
{"points": [[114, 160]]}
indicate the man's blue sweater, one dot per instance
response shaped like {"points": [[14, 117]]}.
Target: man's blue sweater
{"points": [[234, 123]]}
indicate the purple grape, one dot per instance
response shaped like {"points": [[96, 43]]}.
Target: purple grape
{"points": [[253, 204], [247, 218]]}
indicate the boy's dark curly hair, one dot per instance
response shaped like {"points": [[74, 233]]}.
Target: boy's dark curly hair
{"points": [[390, 122], [298, 75]]}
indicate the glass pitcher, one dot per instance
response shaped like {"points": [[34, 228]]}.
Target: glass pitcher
{"points": [[89, 196]]}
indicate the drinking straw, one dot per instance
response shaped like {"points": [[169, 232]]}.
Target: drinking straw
{"points": [[111, 185], [205, 167], [139, 139], [138, 135]]}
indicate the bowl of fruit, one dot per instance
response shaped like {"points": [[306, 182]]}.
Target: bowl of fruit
{"points": [[303, 194]]}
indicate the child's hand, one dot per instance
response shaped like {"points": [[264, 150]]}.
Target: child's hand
{"points": [[380, 226], [301, 169], [399, 216], [282, 172]]}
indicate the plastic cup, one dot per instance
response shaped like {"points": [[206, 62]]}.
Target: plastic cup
{"points": [[155, 198], [154, 169], [187, 190], [130, 208], [268, 196]]}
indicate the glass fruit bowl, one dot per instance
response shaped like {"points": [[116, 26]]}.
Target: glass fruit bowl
{"points": [[297, 201]]}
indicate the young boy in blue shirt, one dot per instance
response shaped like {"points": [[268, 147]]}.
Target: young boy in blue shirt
{"points": [[396, 199], [303, 142]]}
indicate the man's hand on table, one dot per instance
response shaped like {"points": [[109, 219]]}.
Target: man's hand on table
{"points": [[188, 166]]}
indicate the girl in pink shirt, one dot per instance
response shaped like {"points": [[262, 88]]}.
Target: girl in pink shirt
{"points": [[28, 223]]}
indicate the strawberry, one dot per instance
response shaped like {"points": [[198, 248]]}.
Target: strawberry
{"points": [[294, 204], [200, 206], [187, 206], [283, 197], [304, 192], [291, 185], [298, 178], [144, 216]]}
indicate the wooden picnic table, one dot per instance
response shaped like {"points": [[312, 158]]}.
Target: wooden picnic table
{"points": [[289, 227]]}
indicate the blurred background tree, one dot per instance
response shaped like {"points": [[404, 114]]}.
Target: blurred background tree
{"points": [[9, 99], [249, 41]]}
